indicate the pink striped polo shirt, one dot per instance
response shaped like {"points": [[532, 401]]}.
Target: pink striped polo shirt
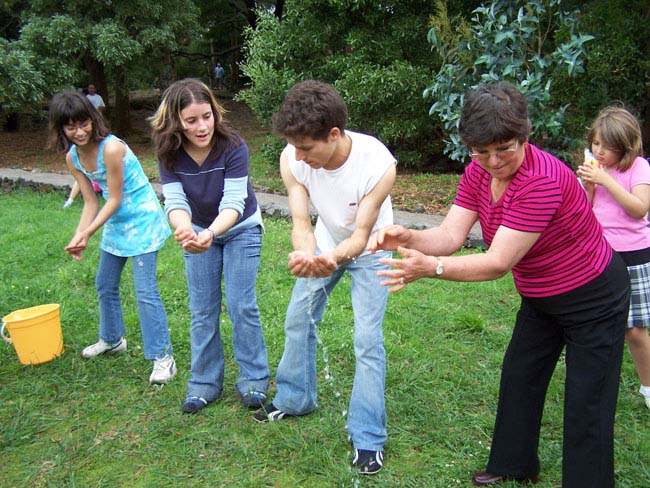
{"points": [[543, 197]]}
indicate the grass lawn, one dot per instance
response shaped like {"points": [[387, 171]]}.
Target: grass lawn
{"points": [[97, 423]]}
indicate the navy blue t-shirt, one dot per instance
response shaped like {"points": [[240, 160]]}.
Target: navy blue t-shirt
{"points": [[203, 185]]}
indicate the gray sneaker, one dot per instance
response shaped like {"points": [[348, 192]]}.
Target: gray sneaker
{"points": [[163, 372], [102, 347]]}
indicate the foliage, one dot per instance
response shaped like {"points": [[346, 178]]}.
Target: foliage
{"points": [[96, 423], [60, 41], [617, 65], [371, 51], [21, 83], [523, 42]]}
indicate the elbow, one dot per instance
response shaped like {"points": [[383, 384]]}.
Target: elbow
{"points": [[638, 214], [499, 269]]}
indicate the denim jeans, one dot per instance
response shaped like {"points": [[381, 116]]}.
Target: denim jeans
{"points": [[296, 375], [237, 257], [153, 320]]}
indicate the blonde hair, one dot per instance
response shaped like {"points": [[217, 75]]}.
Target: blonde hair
{"points": [[620, 131], [167, 123]]}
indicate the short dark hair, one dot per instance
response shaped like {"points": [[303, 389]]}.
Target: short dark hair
{"points": [[69, 107], [310, 109], [494, 113]]}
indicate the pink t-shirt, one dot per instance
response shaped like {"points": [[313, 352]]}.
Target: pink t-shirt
{"points": [[543, 197], [624, 233]]}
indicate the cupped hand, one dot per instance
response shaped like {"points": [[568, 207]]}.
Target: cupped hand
{"points": [[304, 265], [76, 246], [198, 243]]}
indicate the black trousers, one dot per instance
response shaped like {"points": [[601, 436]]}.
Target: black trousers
{"points": [[590, 321]]}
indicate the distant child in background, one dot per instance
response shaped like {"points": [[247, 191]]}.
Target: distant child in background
{"points": [[74, 191], [134, 226], [618, 186]]}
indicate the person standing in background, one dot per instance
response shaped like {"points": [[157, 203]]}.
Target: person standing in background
{"points": [[95, 98]]}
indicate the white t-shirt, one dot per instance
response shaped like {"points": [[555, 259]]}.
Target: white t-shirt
{"points": [[336, 194], [96, 100]]}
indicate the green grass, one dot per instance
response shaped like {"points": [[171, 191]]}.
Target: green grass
{"points": [[97, 423]]}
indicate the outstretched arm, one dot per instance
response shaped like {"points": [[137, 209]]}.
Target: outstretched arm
{"points": [[507, 249]]}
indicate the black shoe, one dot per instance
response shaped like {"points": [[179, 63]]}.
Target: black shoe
{"points": [[253, 399], [368, 462], [270, 413], [193, 404]]}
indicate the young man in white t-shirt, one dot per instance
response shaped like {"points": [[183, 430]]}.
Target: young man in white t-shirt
{"points": [[347, 177]]}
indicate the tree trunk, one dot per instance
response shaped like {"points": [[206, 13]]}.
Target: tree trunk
{"points": [[167, 71], [97, 76], [121, 117], [250, 13], [279, 9]]}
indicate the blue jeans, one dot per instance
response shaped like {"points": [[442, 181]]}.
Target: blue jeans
{"points": [[296, 375], [237, 257], [153, 320]]}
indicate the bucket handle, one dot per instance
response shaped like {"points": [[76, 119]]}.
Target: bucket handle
{"points": [[2, 333]]}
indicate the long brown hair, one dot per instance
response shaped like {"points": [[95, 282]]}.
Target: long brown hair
{"points": [[167, 126], [72, 107]]}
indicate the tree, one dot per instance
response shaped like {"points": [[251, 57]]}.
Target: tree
{"points": [[526, 43], [60, 41], [372, 51], [617, 65]]}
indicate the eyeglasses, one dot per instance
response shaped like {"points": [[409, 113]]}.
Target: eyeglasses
{"points": [[85, 125], [484, 156]]}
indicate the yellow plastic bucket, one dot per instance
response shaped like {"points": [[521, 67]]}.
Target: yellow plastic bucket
{"points": [[35, 333]]}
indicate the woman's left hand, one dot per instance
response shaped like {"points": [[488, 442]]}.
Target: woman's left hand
{"points": [[413, 266]]}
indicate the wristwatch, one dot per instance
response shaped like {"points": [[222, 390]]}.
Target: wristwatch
{"points": [[439, 268]]}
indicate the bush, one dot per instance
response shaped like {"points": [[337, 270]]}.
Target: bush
{"points": [[337, 42], [525, 43]]}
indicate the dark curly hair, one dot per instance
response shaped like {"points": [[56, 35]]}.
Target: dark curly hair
{"points": [[310, 109]]}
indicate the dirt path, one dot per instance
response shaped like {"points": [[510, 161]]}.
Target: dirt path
{"points": [[25, 149]]}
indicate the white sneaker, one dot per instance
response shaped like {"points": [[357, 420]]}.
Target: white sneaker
{"points": [[645, 393], [67, 203], [102, 347], [164, 371]]}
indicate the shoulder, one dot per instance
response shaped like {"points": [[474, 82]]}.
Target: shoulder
{"points": [[370, 150], [114, 147]]}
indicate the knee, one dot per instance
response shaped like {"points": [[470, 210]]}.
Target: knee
{"points": [[106, 289], [636, 336]]}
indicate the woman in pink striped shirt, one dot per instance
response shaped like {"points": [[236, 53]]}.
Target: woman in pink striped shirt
{"points": [[574, 289]]}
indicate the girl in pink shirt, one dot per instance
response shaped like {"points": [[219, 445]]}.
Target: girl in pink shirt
{"points": [[618, 186]]}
